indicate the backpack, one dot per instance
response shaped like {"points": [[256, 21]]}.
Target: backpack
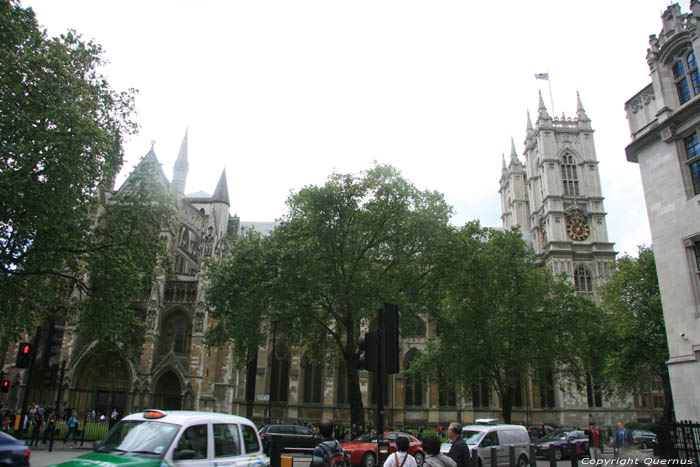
{"points": [[334, 455]]}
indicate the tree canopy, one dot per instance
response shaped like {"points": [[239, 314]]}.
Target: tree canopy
{"points": [[340, 251], [61, 128], [640, 351], [504, 317]]}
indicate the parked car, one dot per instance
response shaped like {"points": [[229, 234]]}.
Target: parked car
{"points": [[363, 449], [156, 437], [563, 443], [13, 451], [484, 436], [536, 431], [295, 438], [644, 439]]}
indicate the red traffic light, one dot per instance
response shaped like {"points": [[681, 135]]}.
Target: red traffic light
{"points": [[26, 348], [5, 385]]}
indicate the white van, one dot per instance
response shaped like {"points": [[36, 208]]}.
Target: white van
{"points": [[483, 437]]}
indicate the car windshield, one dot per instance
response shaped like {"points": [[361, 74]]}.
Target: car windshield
{"points": [[472, 436], [555, 435], [367, 438], [136, 436]]}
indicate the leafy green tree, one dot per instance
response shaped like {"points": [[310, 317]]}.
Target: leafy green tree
{"points": [[640, 351], [340, 251], [504, 316], [61, 128]]}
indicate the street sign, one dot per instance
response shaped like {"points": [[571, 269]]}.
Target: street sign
{"points": [[263, 397]]}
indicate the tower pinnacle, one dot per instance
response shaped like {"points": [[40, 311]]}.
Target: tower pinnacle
{"points": [[542, 113], [580, 112], [180, 169]]}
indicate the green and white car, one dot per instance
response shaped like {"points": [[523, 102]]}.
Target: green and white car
{"points": [[178, 438]]}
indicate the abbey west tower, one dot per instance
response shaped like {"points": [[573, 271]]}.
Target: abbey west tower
{"points": [[556, 198]]}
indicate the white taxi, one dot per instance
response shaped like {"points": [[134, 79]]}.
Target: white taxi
{"points": [[179, 438]]}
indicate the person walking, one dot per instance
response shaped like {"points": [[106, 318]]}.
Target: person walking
{"points": [[36, 427], [49, 429], [431, 446], [459, 451], [401, 457], [595, 441], [113, 418], [328, 453], [623, 440], [72, 424]]}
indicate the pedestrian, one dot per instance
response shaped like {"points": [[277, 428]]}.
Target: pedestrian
{"points": [[113, 418], [431, 446], [49, 429], [36, 427], [595, 441], [419, 435], [438, 430], [623, 440], [72, 425], [459, 451], [401, 457], [328, 453]]}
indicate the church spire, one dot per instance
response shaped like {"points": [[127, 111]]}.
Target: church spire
{"points": [[580, 112], [513, 155], [503, 162], [221, 192], [542, 113], [180, 168]]}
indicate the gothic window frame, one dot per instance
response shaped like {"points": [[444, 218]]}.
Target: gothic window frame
{"points": [[481, 395], [583, 280], [179, 341], [413, 385], [312, 382], [692, 249], [691, 150], [569, 174], [342, 392], [686, 76], [280, 363]]}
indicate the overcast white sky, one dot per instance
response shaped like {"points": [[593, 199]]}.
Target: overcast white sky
{"points": [[282, 93]]}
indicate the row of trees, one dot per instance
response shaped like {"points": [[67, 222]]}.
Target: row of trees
{"points": [[499, 316]]}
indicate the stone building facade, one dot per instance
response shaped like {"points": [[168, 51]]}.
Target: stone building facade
{"points": [[176, 370], [556, 199], [664, 121]]}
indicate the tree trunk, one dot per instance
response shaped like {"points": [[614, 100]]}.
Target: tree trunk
{"points": [[357, 413], [669, 412]]}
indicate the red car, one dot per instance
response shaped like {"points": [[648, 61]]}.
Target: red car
{"points": [[363, 450]]}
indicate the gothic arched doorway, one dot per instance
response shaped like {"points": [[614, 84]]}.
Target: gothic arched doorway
{"points": [[102, 386], [168, 392]]}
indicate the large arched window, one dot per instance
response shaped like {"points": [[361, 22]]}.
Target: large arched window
{"points": [[686, 76], [481, 395], [413, 389], [279, 375], [342, 384], [582, 280], [177, 333], [312, 382], [568, 175]]}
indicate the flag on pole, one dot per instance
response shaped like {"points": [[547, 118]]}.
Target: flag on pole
{"points": [[544, 76]]}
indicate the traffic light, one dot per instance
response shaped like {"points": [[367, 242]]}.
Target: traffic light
{"points": [[5, 385], [24, 355], [368, 351], [390, 336], [52, 344]]}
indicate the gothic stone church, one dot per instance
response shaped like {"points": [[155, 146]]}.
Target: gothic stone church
{"points": [[555, 197]]}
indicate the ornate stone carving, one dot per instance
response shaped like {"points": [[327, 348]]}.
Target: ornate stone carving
{"points": [[151, 318]]}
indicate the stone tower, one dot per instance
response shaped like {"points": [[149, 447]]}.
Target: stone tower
{"points": [[556, 198]]}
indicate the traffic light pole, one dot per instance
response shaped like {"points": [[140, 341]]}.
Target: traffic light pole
{"points": [[379, 384], [58, 404], [28, 381]]}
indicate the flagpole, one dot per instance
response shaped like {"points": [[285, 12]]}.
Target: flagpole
{"points": [[551, 98]]}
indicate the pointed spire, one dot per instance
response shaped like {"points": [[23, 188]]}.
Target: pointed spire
{"points": [[180, 168], [542, 113], [580, 111], [529, 123], [221, 192], [182, 156], [503, 164], [513, 155]]}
